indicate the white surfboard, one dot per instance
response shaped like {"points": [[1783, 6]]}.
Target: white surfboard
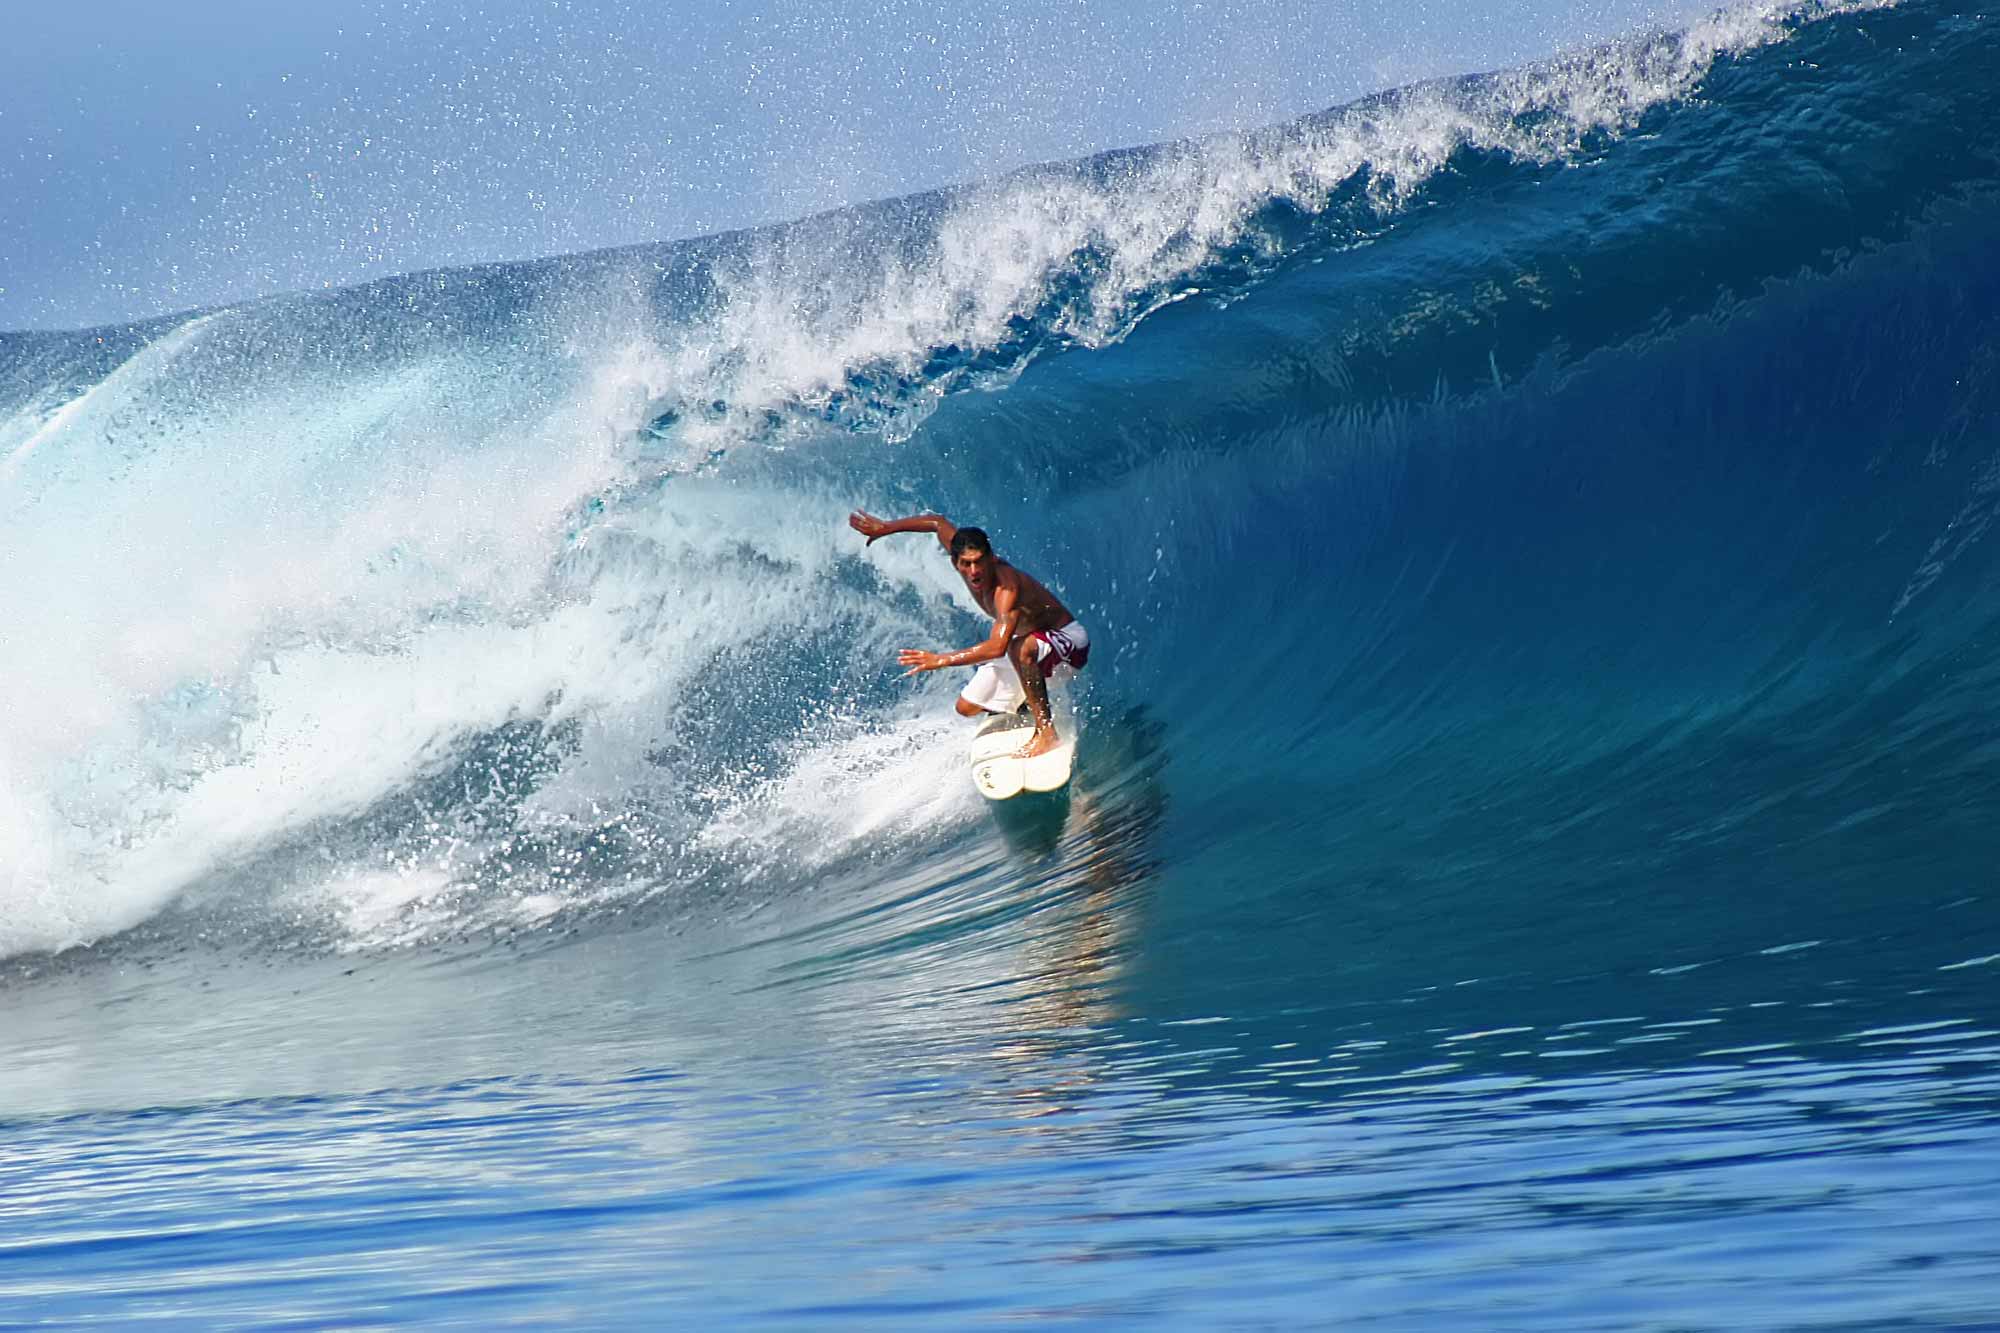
{"points": [[999, 773]]}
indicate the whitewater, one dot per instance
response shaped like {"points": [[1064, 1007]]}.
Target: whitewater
{"points": [[466, 851]]}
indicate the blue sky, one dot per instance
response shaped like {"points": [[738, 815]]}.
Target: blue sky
{"points": [[155, 157]]}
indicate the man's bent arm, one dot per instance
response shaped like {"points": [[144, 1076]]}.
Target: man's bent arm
{"points": [[995, 645], [1007, 617], [872, 527]]}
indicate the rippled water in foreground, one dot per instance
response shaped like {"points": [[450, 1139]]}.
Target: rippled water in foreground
{"points": [[1000, 1123]]}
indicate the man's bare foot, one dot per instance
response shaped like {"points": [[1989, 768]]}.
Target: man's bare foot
{"points": [[1041, 743]]}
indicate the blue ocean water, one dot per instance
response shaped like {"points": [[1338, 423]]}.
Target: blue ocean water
{"points": [[468, 854]]}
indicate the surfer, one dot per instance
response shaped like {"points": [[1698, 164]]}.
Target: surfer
{"points": [[1033, 634]]}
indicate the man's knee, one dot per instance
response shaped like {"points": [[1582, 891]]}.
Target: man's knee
{"points": [[967, 708], [1022, 650]]}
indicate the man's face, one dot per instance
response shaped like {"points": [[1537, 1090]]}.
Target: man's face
{"points": [[976, 568]]}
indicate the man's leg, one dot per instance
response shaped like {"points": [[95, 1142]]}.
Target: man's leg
{"points": [[1025, 652], [991, 690]]}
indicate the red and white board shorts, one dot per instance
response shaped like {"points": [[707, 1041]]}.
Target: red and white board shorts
{"points": [[996, 685]]}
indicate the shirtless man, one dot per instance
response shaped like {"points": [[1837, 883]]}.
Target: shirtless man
{"points": [[1033, 633]]}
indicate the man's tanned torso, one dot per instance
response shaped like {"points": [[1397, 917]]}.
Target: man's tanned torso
{"points": [[1036, 608]]}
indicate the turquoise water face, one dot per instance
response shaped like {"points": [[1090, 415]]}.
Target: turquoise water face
{"points": [[469, 855]]}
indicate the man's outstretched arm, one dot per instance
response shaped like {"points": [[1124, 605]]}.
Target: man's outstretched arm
{"points": [[872, 527]]}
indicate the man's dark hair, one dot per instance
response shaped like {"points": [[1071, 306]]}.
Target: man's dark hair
{"points": [[969, 539]]}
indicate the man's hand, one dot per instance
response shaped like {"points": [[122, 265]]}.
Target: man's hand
{"points": [[872, 527], [867, 525], [916, 659]]}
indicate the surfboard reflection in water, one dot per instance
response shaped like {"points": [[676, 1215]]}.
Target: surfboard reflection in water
{"points": [[1530, 839]]}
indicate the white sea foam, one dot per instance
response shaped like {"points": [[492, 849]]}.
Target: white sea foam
{"points": [[266, 662], [850, 782]]}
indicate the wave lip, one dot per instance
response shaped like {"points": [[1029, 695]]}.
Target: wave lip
{"points": [[869, 316]]}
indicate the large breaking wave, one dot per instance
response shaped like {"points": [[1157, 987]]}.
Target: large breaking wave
{"points": [[1592, 456]]}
